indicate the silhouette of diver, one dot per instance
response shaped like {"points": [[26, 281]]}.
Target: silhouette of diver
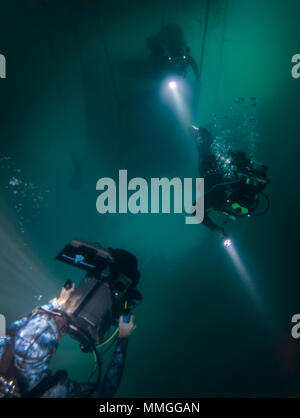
{"points": [[170, 53]]}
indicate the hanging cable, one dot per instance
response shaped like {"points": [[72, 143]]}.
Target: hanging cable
{"points": [[163, 13], [108, 59], [221, 53], [204, 37], [77, 38]]}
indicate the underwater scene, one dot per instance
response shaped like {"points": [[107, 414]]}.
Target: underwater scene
{"points": [[112, 113]]}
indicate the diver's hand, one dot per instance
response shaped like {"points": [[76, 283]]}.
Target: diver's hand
{"points": [[65, 294], [221, 232], [126, 328], [194, 131]]}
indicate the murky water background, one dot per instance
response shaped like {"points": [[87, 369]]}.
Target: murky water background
{"points": [[79, 103]]}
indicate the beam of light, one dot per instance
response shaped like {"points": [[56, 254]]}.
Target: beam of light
{"points": [[242, 271], [23, 278], [227, 242], [176, 90], [172, 85], [261, 307]]}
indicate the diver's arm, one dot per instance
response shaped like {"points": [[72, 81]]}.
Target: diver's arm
{"points": [[11, 331], [14, 326], [63, 297], [112, 378], [23, 320], [36, 340], [108, 386], [50, 306], [68, 388], [209, 223], [38, 333]]}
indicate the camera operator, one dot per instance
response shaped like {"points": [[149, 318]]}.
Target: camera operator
{"points": [[30, 343]]}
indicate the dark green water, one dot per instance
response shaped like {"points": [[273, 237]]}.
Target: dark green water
{"points": [[77, 105]]}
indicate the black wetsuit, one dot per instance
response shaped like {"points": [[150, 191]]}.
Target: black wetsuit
{"points": [[214, 197]]}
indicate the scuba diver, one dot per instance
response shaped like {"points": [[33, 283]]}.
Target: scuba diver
{"points": [[233, 183], [31, 341], [170, 53], [27, 350]]}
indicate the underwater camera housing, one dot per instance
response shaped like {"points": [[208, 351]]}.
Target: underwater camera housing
{"points": [[100, 298]]}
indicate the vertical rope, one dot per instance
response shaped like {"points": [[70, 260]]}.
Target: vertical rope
{"points": [[201, 59], [221, 53], [204, 37], [109, 62], [77, 45], [163, 13]]}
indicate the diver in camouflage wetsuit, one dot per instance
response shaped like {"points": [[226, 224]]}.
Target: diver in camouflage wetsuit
{"points": [[31, 341]]}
